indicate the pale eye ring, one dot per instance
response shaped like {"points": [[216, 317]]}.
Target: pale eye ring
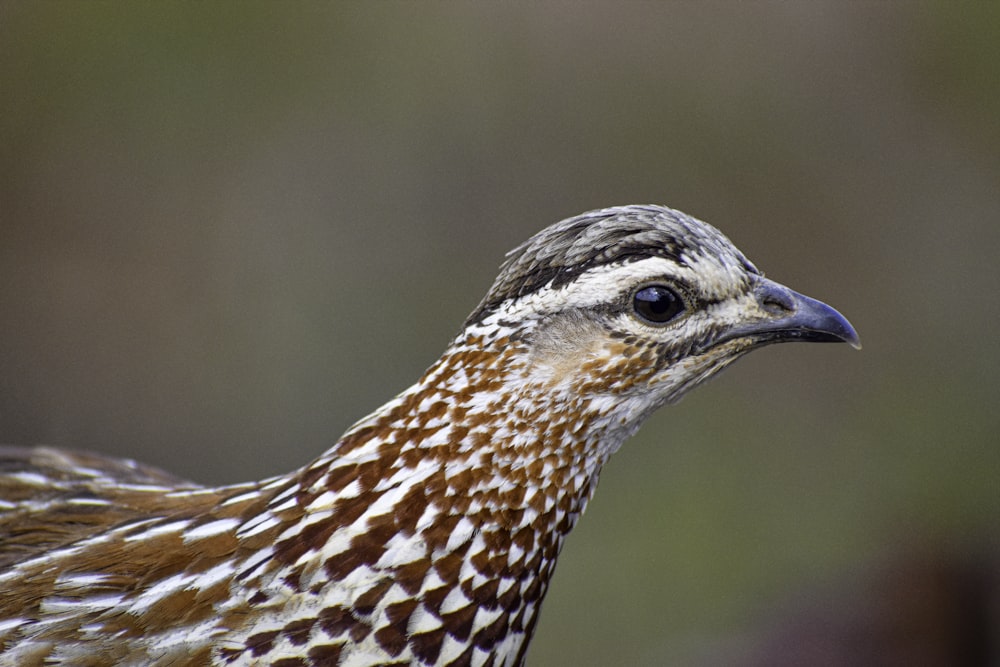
{"points": [[657, 304]]}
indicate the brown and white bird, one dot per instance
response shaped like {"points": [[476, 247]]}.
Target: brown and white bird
{"points": [[428, 533]]}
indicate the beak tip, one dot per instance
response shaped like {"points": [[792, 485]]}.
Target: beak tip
{"points": [[824, 319], [847, 333]]}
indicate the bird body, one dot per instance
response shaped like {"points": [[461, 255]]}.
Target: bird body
{"points": [[429, 532]]}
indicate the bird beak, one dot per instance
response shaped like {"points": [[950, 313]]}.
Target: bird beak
{"points": [[793, 317]]}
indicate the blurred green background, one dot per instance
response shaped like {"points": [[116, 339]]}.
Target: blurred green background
{"points": [[228, 231]]}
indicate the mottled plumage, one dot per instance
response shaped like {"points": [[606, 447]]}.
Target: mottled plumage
{"points": [[429, 532]]}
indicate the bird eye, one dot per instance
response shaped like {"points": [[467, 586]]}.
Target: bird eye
{"points": [[657, 304]]}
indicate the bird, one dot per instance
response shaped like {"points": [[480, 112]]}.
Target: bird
{"points": [[429, 532]]}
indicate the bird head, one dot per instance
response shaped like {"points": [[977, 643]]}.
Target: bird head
{"points": [[622, 310]]}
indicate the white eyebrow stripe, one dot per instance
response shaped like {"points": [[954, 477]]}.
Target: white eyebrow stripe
{"points": [[607, 282]]}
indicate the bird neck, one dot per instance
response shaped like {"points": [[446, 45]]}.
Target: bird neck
{"points": [[460, 490], [483, 435]]}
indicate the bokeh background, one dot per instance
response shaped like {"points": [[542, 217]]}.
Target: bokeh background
{"points": [[228, 231]]}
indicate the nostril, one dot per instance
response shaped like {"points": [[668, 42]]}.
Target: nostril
{"points": [[777, 305], [774, 298]]}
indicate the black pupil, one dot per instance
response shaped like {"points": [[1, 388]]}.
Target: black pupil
{"points": [[657, 304]]}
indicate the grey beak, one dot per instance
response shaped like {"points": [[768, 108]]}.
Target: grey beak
{"points": [[794, 317]]}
